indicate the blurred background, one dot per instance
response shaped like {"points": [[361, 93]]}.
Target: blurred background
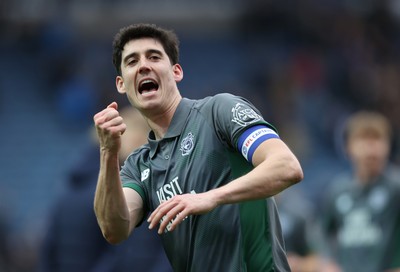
{"points": [[305, 64]]}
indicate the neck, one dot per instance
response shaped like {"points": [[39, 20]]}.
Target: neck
{"points": [[160, 122], [367, 177]]}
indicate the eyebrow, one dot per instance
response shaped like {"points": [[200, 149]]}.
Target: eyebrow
{"points": [[148, 52]]}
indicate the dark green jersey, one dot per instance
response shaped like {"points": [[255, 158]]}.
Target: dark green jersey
{"points": [[363, 223], [205, 147]]}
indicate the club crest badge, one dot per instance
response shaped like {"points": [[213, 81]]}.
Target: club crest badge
{"points": [[187, 144], [243, 115]]}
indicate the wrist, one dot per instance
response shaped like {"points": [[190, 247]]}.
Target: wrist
{"points": [[108, 155], [104, 151], [218, 196]]}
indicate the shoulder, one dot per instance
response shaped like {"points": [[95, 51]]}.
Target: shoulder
{"points": [[391, 180], [225, 96], [219, 99], [139, 153], [227, 105], [136, 158], [341, 183], [393, 173]]}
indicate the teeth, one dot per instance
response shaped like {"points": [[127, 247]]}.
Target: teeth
{"points": [[143, 87], [147, 81]]}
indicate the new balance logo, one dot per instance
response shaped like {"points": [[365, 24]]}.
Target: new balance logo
{"points": [[145, 174]]}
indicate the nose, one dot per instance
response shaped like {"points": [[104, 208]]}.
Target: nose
{"points": [[144, 66]]}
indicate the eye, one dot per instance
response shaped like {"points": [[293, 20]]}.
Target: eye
{"points": [[131, 62], [154, 57]]}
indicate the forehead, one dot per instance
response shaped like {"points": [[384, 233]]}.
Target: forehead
{"points": [[141, 46]]}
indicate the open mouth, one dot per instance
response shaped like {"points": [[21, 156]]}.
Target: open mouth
{"points": [[148, 85]]}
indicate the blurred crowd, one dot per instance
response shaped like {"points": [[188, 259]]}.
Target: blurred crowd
{"points": [[307, 65]]}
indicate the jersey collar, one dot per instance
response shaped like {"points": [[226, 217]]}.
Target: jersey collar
{"points": [[178, 122]]}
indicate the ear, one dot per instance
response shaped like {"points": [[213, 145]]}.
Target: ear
{"points": [[119, 82], [178, 72]]}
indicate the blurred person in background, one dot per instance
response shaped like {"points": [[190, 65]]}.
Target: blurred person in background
{"points": [[361, 216], [74, 241]]}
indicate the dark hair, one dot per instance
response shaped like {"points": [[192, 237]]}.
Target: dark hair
{"points": [[167, 38]]}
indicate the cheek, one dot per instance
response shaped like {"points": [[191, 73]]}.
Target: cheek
{"points": [[169, 78], [383, 151], [129, 85], [356, 149], [359, 155], [362, 151]]}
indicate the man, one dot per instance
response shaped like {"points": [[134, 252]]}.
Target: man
{"points": [[361, 219], [207, 175]]}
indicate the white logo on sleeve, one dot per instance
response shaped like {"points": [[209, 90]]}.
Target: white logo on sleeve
{"points": [[145, 174], [244, 115]]}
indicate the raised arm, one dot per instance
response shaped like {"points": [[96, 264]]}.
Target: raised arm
{"points": [[117, 210]]}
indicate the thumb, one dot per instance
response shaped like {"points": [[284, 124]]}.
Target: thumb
{"points": [[113, 105]]}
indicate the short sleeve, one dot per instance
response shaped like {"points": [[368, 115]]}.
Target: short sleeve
{"points": [[233, 115], [131, 178]]}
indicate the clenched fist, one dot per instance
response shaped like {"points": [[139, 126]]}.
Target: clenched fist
{"points": [[109, 126]]}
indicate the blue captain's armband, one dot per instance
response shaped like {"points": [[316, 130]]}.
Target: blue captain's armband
{"points": [[252, 138]]}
